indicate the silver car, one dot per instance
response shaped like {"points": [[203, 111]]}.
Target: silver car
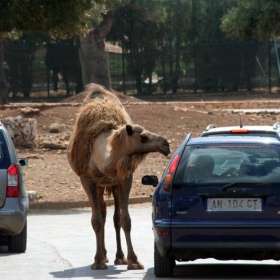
{"points": [[243, 130], [14, 202]]}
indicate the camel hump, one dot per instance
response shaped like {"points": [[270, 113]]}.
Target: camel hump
{"points": [[96, 116], [97, 92]]}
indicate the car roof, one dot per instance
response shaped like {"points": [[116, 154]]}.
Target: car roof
{"points": [[233, 139], [213, 130]]}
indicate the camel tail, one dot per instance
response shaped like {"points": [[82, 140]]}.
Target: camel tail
{"points": [[108, 191]]}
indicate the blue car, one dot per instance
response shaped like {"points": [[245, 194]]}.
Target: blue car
{"points": [[219, 197]]}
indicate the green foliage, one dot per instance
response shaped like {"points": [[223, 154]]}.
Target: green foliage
{"points": [[136, 29], [208, 14], [56, 18], [167, 28], [253, 19], [116, 64]]}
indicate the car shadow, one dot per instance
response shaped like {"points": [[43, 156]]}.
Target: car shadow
{"points": [[4, 250], [226, 271], [187, 271]]}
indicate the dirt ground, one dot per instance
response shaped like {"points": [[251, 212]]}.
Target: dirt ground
{"points": [[49, 174]]}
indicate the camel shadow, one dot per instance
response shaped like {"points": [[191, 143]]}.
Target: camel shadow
{"points": [[187, 271], [113, 272], [224, 271]]}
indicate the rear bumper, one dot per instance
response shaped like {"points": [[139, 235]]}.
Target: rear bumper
{"points": [[13, 215], [226, 252], [242, 236], [222, 243]]}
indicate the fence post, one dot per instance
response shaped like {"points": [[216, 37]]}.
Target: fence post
{"points": [[123, 55], [277, 57], [269, 66], [48, 77], [194, 44]]}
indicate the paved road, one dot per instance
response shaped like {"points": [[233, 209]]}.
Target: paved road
{"points": [[61, 245]]}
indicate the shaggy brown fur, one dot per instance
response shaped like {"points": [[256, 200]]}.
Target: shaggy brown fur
{"points": [[127, 164], [95, 91], [94, 118], [104, 151]]}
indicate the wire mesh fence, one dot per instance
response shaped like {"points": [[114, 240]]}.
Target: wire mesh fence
{"points": [[184, 52]]}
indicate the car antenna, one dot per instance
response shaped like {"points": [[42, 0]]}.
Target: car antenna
{"points": [[240, 119]]}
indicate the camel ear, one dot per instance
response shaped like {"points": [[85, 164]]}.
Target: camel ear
{"points": [[129, 129]]}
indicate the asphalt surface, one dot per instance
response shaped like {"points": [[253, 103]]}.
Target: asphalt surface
{"points": [[61, 245], [62, 205]]}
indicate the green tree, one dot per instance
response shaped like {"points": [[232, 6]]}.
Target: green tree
{"points": [[176, 32], [212, 47], [137, 32], [19, 58], [208, 14], [253, 19], [61, 19]]}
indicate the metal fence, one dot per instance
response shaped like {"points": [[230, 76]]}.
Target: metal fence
{"points": [[196, 65], [227, 67]]}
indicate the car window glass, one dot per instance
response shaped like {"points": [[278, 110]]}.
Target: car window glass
{"points": [[4, 153], [229, 163]]}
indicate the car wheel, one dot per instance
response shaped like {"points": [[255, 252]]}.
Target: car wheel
{"points": [[17, 243], [3, 240], [163, 266]]}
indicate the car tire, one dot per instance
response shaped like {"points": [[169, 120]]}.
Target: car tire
{"points": [[163, 266], [17, 243]]}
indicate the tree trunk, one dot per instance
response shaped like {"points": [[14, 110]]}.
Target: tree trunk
{"points": [[94, 59], [3, 81]]}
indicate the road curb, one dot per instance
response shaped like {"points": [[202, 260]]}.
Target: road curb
{"points": [[80, 204]]}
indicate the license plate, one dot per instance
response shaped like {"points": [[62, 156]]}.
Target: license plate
{"points": [[234, 204]]}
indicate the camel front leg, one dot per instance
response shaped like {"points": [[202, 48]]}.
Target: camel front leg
{"points": [[103, 209], [97, 221], [120, 258], [124, 190]]}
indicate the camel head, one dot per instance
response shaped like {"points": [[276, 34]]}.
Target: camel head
{"points": [[136, 140]]}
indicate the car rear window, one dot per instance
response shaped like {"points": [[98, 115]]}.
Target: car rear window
{"points": [[5, 160], [224, 163]]}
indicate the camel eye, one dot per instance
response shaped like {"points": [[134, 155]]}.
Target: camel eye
{"points": [[144, 139]]}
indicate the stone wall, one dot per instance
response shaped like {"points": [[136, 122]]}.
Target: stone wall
{"points": [[23, 131]]}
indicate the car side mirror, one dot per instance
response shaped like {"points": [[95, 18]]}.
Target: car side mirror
{"points": [[23, 161], [150, 180]]}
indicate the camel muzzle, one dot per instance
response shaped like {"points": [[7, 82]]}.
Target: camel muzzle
{"points": [[164, 148]]}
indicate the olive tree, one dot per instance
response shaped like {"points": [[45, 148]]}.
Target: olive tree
{"points": [[62, 19], [253, 19]]}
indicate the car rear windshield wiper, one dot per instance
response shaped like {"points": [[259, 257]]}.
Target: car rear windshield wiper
{"points": [[241, 184]]}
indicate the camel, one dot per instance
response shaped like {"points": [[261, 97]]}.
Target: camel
{"points": [[104, 150]]}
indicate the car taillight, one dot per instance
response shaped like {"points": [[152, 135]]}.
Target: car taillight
{"points": [[163, 233], [169, 176], [13, 181], [239, 131]]}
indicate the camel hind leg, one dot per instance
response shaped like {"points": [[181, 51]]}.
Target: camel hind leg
{"points": [[125, 221], [120, 258], [98, 218]]}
